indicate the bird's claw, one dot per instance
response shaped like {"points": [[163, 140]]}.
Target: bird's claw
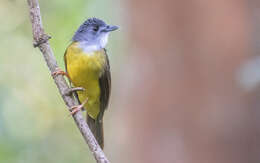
{"points": [[59, 72], [69, 91], [75, 109]]}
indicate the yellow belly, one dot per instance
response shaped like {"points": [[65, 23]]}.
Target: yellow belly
{"points": [[84, 70]]}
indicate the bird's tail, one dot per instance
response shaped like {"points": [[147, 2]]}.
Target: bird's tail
{"points": [[96, 126]]}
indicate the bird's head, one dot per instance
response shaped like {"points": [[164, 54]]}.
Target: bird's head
{"points": [[93, 32]]}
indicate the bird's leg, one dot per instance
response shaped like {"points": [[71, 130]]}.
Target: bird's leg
{"points": [[69, 91], [58, 71], [75, 109]]}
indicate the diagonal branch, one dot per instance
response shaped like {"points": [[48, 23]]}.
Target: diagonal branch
{"points": [[41, 41]]}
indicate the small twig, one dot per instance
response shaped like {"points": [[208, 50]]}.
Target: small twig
{"points": [[41, 41]]}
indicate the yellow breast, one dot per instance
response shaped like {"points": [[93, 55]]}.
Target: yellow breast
{"points": [[84, 70]]}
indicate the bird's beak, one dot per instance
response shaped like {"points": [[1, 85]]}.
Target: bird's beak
{"points": [[110, 28]]}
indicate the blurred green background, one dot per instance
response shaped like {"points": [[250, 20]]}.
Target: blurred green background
{"points": [[34, 123]]}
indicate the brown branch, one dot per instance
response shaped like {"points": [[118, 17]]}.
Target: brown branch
{"points": [[41, 41]]}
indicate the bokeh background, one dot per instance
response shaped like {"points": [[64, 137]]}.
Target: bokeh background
{"points": [[185, 89]]}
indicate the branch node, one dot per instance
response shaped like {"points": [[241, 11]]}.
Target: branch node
{"points": [[41, 40]]}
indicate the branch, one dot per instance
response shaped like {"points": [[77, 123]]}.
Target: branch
{"points": [[41, 41]]}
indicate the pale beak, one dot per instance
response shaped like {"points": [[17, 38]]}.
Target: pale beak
{"points": [[110, 28]]}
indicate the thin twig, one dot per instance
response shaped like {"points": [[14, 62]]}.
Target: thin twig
{"points": [[41, 41]]}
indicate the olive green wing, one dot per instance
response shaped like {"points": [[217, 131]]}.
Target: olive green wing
{"points": [[96, 126], [105, 85]]}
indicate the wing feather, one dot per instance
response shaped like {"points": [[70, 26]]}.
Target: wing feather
{"points": [[105, 86]]}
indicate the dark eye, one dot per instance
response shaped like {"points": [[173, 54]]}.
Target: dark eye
{"points": [[95, 29]]}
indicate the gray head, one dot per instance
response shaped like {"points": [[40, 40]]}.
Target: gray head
{"points": [[93, 33]]}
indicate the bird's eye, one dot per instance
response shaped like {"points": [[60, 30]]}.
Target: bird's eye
{"points": [[95, 29]]}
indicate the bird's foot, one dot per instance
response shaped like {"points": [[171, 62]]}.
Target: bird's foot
{"points": [[58, 71], [69, 91], [75, 109]]}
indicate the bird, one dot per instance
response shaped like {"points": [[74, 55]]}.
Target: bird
{"points": [[87, 66]]}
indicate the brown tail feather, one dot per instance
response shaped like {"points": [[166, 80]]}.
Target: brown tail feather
{"points": [[96, 126]]}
